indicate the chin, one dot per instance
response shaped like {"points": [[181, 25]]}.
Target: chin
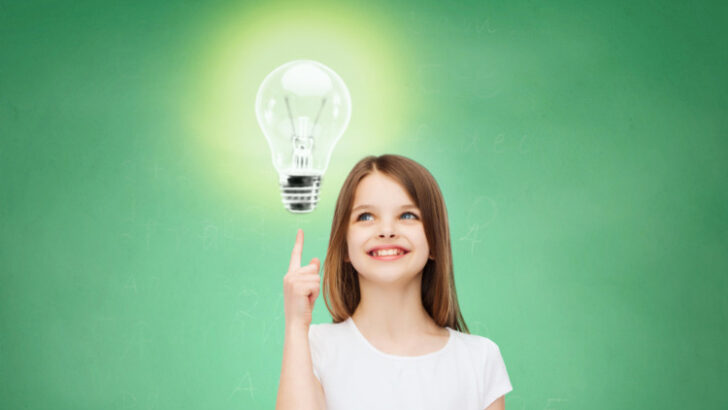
{"points": [[382, 277], [385, 274]]}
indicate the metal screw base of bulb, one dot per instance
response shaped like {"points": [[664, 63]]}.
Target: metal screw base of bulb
{"points": [[300, 193]]}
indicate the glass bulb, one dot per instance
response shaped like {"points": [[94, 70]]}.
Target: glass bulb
{"points": [[303, 107]]}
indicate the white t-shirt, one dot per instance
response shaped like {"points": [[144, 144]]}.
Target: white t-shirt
{"points": [[467, 374]]}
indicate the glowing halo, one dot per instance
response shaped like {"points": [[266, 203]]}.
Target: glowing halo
{"points": [[242, 47]]}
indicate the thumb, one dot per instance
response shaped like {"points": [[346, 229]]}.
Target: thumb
{"points": [[317, 262]]}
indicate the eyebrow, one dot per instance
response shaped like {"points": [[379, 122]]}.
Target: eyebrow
{"points": [[374, 207]]}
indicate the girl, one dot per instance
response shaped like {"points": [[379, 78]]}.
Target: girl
{"points": [[397, 340]]}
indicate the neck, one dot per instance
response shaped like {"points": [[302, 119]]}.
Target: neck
{"points": [[393, 311]]}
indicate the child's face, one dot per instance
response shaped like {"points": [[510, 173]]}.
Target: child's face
{"points": [[385, 222]]}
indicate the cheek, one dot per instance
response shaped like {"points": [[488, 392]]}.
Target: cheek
{"points": [[417, 234], [354, 235], [356, 240]]}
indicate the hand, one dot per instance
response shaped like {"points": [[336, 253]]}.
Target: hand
{"points": [[300, 286]]}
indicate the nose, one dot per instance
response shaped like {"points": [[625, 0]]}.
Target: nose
{"points": [[387, 231]]}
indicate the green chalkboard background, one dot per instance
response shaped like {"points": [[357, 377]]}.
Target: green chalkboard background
{"points": [[581, 148]]}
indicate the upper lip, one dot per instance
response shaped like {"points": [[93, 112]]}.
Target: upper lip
{"points": [[376, 248]]}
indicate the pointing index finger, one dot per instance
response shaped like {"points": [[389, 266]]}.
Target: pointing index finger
{"points": [[296, 253]]}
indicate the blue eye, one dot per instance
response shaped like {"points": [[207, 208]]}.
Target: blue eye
{"points": [[358, 218]]}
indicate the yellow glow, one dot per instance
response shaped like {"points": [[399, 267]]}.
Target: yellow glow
{"points": [[243, 46]]}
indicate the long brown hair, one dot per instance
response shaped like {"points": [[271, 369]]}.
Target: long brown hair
{"points": [[341, 282]]}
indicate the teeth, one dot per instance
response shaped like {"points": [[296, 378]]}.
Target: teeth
{"points": [[388, 252]]}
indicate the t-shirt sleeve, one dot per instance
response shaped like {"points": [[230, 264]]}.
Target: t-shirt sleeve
{"points": [[496, 380], [314, 343]]}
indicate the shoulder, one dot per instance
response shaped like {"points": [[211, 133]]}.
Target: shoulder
{"points": [[475, 341], [327, 327], [480, 346], [321, 332]]}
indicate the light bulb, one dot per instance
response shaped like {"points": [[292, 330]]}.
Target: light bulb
{"points": [[303, 108]]}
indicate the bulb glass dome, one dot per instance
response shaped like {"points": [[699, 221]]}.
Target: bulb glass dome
{"points": [[303, 108]]}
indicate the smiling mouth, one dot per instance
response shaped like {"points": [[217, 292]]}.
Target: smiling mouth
{"points": [[391, 256]]}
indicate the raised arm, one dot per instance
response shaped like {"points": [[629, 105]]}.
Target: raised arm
{"points": [[298, 387]]}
